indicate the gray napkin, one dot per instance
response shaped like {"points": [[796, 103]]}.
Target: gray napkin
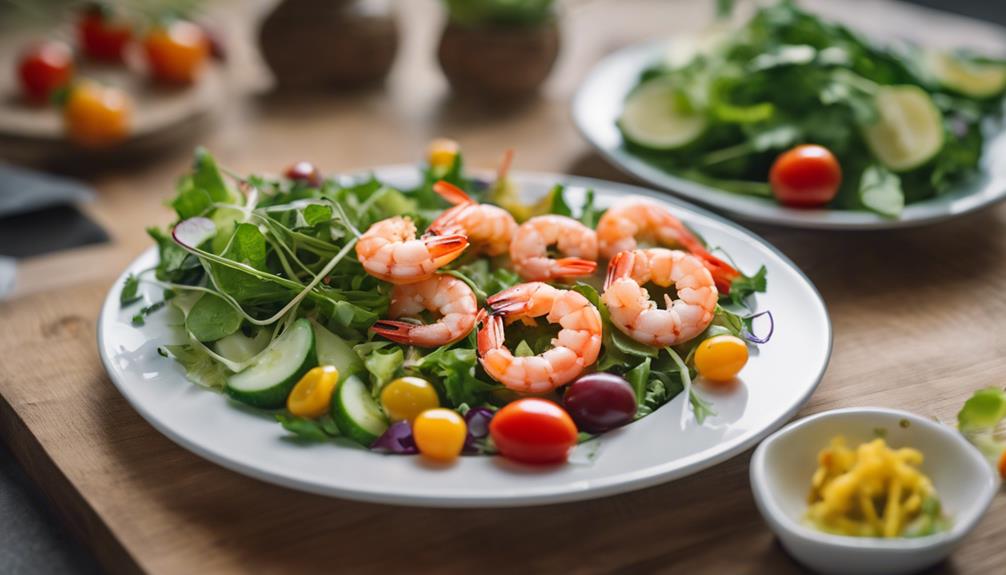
{"points": [[38, 213]]}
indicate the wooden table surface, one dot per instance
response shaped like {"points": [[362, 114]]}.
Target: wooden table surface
{"points": [[918, 320]]}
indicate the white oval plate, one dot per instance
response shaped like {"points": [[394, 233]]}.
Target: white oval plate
{"points": [[598, 104], [658, 448]]}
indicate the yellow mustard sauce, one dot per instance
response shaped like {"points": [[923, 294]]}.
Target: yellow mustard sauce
{"points": [[873, 491]]}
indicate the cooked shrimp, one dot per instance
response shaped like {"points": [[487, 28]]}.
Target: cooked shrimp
{"points": [[442, 294], [529, 248], [574, 348], [489, 228], [637, 219], [636, 315], [390, 251]]}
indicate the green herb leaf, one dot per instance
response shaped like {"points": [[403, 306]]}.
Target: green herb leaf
{"points": [[130, 291], [212, 318], [303, 428], [200, 368]]}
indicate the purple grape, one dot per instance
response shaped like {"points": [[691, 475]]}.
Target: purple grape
{"points": [[600, 401]]}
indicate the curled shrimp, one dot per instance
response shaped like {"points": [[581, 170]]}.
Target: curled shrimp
{"points": [[442, 294], [637, 316], [574, 348], [489, 228], [389, 250], [529, 248], [638, 219]]}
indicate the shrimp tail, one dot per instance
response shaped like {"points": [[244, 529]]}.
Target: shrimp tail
{"points": [[453, 194], [620, 266], [574, 267], [722, 272], [505, 163], [492, 335], [396, 331], [445, 248]]}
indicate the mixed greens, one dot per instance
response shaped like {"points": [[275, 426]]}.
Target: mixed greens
{"points": [[268, 286], [904, 123]]}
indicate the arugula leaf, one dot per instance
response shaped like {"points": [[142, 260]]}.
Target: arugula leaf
{"points": [[308, 429], [590, 215], [247, 246], [744, 286], [315, 214], [638, 377], [130, 291], [174, 264], [212, 318], [191, 201], [454, 370], [206, 177], [558, 205]]}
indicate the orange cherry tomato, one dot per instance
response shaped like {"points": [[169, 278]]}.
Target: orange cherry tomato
{"points": [[533, 430], [312, 396], [177, 52], [439, 433], [101, 35], [45, 68], [806, 176], [97, 116], [720, 358], [1002, 465]]}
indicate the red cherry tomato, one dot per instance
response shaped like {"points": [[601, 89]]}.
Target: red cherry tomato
{"points": [[45, 68], [533, 430], [177, 52], [1002, 465], [304, 172], [102, 36], [806, 176]]}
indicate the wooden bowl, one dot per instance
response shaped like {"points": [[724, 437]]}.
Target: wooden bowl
{"points": [[497, 62]]}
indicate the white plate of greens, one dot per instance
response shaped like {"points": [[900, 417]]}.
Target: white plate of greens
{"points": [[709, 115], [662, 446]]}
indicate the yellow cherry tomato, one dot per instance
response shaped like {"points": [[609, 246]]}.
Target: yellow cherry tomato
{"points": [[407, 397], [721, 358], [441, 153], [96, 116], [439, 433], [312, 396]]}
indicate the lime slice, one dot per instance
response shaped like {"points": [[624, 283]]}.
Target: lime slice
{"points": [[909, 128], [655, 118], [975, 79]]}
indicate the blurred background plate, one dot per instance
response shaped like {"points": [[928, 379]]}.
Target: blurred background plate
{"points": [[659, 448], [598, 104], [162, 115]]}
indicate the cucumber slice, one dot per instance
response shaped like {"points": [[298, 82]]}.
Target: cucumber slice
{"points": [[975, 79], [655, 118], [269, 380], [333, 350], [909, 128], [356, 413], [239, 348]]}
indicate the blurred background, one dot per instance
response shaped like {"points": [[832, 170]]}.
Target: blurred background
{"points": [[101, 106]]}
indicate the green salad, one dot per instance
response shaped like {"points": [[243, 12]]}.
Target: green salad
{"points": [[886, 126], [279, 286]]}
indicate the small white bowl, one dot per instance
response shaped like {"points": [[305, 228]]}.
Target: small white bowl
{"points": [[783, 465]]}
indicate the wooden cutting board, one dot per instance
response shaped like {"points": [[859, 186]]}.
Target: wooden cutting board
{"points": [[918, 319]]}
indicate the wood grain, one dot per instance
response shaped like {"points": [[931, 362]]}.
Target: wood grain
{"points": [[917, 315]]}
